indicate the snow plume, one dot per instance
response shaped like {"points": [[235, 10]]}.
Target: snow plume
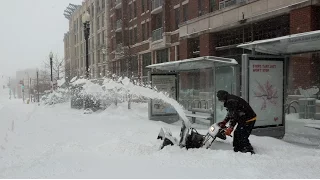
{"points": [[117, 90]]}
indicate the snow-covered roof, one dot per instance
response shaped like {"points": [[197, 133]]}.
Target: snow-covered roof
{"points": [[291, 44], [194, 63]]}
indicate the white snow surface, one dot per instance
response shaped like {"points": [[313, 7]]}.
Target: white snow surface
{"points": [[59, 142]]}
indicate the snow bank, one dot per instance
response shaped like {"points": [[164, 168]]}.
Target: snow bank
{"points": [[70, 144], [297, 132]]}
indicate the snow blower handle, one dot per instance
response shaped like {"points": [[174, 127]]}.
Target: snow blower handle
{"points": [[224, 129]]}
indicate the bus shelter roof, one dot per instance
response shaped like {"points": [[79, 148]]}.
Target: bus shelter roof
{"points": [[286, 45], [194, 64]]}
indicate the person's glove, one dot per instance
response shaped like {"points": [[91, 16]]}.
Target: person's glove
{"points": [[228, 131], [222, 124]]}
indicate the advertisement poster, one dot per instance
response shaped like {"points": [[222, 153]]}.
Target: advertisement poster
{"points": [[266, 91], [164, 83]]}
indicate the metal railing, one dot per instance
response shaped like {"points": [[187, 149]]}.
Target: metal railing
{"points": [[227, 3], [157, 34], [156, 4]]}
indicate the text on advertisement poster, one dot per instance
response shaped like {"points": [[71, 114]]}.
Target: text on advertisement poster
{"points": [[263, 67]]}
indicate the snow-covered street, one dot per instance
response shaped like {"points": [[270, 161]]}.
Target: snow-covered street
{"points": [[59, 142]]}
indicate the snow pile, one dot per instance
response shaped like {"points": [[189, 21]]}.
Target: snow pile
{"points": [[61, 95], [307, 93], [298, 132]]}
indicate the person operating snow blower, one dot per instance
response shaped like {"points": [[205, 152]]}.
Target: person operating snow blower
{"points": [[241, 113]]}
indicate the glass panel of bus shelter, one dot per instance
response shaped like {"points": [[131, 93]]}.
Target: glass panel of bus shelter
{"points": [[195, 88], [225, 80]]}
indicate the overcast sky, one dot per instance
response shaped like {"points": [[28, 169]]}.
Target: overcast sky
{"points": [[29, 30]]}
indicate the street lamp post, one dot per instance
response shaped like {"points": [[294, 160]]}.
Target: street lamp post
{"points": [[86, 29], [51, 57]]}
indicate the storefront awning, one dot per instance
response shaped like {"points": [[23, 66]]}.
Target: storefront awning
{"points": [[286, 45], [194, 64]]}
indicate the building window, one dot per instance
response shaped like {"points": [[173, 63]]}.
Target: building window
{"points": [[102, 37], [98, 57], [162, 56], [195, 47], [200, 8], [185, 9], [92, 10], [135, 35], [212, 5], [158, 20], [102, 20], [98, 39], [131, 40], [177, 18], [135, 8], [123, 66], [134, 66], [114, 67], [103, 4], [148, 33], [146, 61], [178, 52], [143, 35], [130, 11], [142, 5]]}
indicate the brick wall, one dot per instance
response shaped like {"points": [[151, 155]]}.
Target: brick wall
{"points": [[207, 45], [303, 67], [172, 53], [184, 49]]}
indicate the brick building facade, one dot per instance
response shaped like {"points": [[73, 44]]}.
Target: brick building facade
{"points": [[128, 35], [145, 32]]}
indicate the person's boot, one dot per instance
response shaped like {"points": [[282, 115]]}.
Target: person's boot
{"points": [[248, 149], [236, 149]]}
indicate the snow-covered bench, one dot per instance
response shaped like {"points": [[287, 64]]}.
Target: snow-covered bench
{"points": [[206, 114]]}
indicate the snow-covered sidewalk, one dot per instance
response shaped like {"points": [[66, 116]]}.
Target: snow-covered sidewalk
{"points": [[58, 142]]}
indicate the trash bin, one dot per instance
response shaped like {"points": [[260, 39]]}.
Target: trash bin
{"points": [[307, 108]]}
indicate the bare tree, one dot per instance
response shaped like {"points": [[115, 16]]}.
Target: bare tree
{"points": [[57, 66]]}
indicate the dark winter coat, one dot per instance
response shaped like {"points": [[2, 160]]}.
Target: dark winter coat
{"points": [[239, 111]]}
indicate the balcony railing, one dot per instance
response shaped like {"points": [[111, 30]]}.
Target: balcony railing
{"points": [[227, 3], [157, 34], [119, 48], [119, 25], [118, 4], [156, 4]]}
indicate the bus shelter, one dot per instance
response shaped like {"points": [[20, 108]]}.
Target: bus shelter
{"points": [[264, 78], [193, 83]]}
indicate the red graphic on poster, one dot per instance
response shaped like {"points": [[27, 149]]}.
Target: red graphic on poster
{"points": [[267, 93]]}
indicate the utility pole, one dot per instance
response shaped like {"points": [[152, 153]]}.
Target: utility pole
{"points": [[30, 89], [22, 88], [38, 86], [10, 87]]}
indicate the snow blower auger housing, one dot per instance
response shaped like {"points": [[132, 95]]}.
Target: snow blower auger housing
{"points": [[190, 138]]}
